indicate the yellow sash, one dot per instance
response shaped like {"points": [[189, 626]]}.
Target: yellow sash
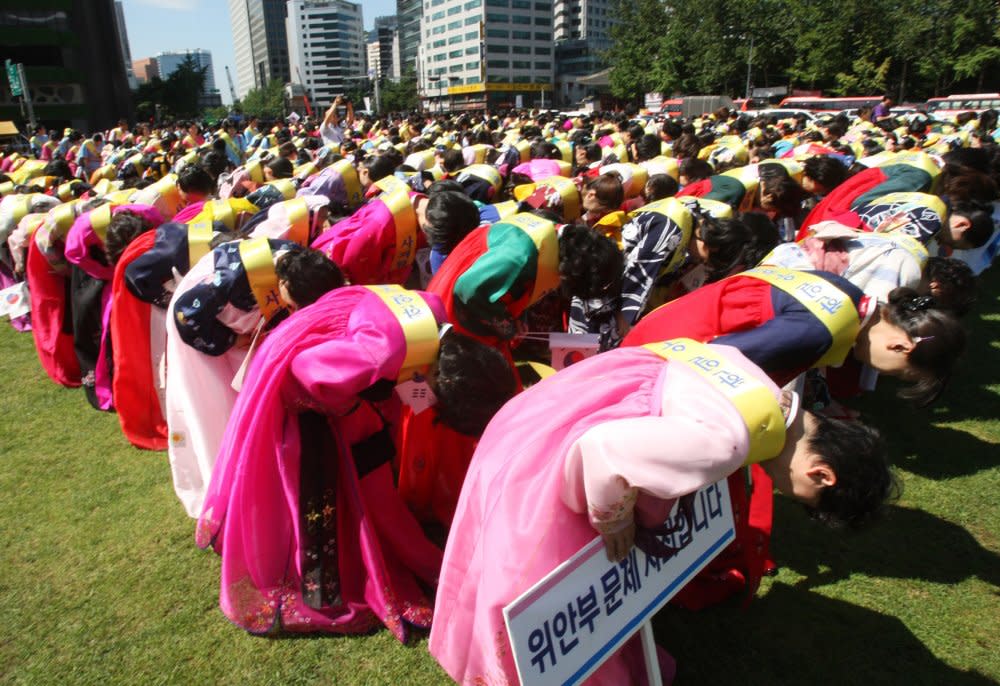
{"points": [[479, 151], [63, 218], [6, 188], [256, 171], [396, 197], [352, 185], [485, 172], [566, 150], [752, 399], [419, 327], [932, 202], [99, 221], [677, 212], [920, 160], [199, 235], [543, 234], [569, 193], [285, 186], [828, 303], [65, 191], [298, 220], [506, 208], [220, 211], [259, 265], [304, 171], [523, 150]]}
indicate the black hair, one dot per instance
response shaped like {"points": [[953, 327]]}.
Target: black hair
{"points": [[942, 341], [215, 163], [281, 167], [734, 243], [661, 186], [956, 283], [672, 128], [125, 226], [609, 190], [980, 216], [825, 170], [786, 194], [452, 160], [308, 274], [445, 185], [694, 169], [590, 263], [544, 150], [194, 178], [857, 455], [58, 168], [647, 147], [451, 215], [379, 166], [472, 383]]}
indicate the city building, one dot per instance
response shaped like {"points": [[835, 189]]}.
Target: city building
{"points": [[486, 53], [167, 63], [409, 14], [123, 39], [326, 47], [260, 43], [73, 62], [383, 49], [145, 70], [582, 31]]}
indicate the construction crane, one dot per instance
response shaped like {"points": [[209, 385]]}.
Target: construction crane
{"points": [[232, 88]]}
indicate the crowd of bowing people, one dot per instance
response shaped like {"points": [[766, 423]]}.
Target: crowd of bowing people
{"points": [[337, 332]]}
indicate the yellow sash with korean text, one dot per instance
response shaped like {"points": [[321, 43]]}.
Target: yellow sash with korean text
{"points": [[259, 265], [419, 327], [396, 197], [298, 220], [352, 185], [486, 173], [543, 234], [99, 221], [826, 302], [752, 399]]}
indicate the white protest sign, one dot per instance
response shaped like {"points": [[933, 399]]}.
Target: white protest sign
{"points": [[565, 626], [14, 300]]}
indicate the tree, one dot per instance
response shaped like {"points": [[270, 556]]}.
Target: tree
{"points": [[634, 53], [176, 96], [401, 95], [267, 102]]}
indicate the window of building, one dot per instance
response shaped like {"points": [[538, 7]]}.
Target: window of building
{"points": [[522, 79], [454, 40], [438, 44], [455, 53], [470, 21], [521, 49], [543, 21], [543, 51], [452, 11], [472, 4], [543, 7], [497, 3], [539, 35], [520, 4], [454, 25], [498, 48], [472, 35], [497, 33], [497, 17], [473, 79], [456, 67], [497, 64], [473, 50], [472, 65], [519, 19], [437, 15], [438, 30], [520, 35], [543, 65], [521, 64]]}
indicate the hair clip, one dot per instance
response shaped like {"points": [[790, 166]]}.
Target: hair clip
{"points": [[917, 340], [919, 303]]}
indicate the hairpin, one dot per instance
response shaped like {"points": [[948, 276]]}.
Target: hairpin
{"points": [[919, 303], [917, 340]]}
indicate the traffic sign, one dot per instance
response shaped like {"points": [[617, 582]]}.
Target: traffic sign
{"points": [[16, 87]]}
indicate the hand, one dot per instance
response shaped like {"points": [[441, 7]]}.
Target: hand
{"points": [[618, 544]]}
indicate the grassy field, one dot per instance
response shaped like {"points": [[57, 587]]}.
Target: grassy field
{"points": [[100, 581]]}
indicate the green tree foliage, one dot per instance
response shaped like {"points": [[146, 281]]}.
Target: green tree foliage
{"points": [[267, 102], [175, 96], [912, 48], [400, 96]]}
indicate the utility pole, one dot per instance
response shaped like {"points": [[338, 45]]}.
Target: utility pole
{"points": [[232, 88], [749, 61], [19, 88]]}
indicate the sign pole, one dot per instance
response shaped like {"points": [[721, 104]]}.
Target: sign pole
{"points": [[26, 96], [649, 653]]}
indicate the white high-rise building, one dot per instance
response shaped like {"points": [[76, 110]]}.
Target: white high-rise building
{"points": [[239, 17], [167, 63], [486, 53], [326, 46], [259, 42]]}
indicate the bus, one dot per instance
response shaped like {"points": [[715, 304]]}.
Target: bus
{"points": [[818, 104], [948, 107]]}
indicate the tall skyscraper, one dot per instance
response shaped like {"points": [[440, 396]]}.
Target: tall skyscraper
{"points": [[582, 35], [123, 39], [260, 43], [409, 14], [326, 46], [383, 48], [72, 59], [475, 54], [167, 63]]}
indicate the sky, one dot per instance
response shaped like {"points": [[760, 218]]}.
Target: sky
{"points": [[163, 25]]}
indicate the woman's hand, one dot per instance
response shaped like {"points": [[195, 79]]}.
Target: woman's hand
{"points": [[618, 544]]}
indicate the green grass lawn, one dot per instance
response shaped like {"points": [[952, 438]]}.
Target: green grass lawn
{"points": [[100, 581]]}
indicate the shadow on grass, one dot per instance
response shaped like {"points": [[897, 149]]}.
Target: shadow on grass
{"points": [[795, 636], [908, 544]]}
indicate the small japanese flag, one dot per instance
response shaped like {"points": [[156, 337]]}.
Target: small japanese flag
{"points": [[14, 300]]}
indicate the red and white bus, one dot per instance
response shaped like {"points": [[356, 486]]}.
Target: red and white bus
{"points": [[948, 107], [818, 104]]}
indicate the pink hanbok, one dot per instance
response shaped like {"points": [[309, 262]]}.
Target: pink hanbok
{"points": [[200, 394], [302, 506], [572, 454]]}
